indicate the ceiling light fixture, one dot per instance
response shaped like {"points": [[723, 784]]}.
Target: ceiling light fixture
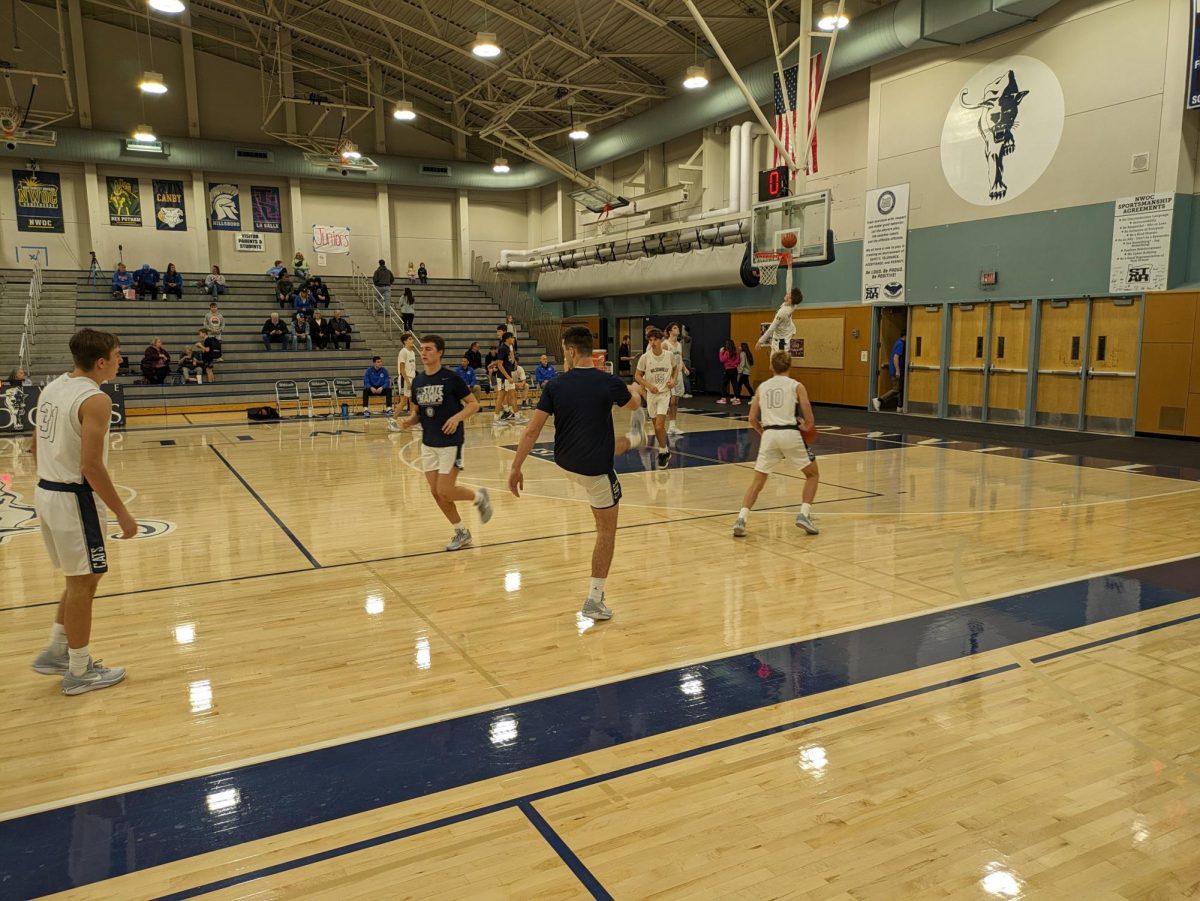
{"points": [[404, 111], [485, 45], [152, 83], [500, 166], [696, 78], [167, 6], [144, 134], [830, 20], [578, 133]]}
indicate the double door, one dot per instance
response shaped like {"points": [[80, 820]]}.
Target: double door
{"points": [[988, 369]]}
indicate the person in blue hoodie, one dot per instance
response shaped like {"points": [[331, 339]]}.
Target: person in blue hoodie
{"points": [[304, 302], [544, 371], [277, 270], [172, 282], [376, 383], [465, 372], [121, 281], [145, 280]]}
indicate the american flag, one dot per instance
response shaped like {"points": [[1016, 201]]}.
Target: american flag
{"points": [[789, 129]]}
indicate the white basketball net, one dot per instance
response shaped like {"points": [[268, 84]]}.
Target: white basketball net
{"points": [[767, 265]]}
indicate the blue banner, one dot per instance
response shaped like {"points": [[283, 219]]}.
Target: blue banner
{"points": [[169, 209], [265, 204], [224, 207], [38, 197], [1193, 80]]}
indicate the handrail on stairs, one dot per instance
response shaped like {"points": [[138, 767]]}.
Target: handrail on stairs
{"points": [[537, 317], [29, 326], [377, 305]]}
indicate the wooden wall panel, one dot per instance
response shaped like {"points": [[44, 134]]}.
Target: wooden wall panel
{"points": [[1161, 386], [1170, 365], [1170, 317]]}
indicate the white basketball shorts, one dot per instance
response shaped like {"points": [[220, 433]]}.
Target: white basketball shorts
{"points": [[72, 525], [658, 404], [602, 491], [778, 445], [441, 459]]}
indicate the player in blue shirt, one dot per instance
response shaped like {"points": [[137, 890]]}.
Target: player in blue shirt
{"points": [[442, 402], [581, 402]]}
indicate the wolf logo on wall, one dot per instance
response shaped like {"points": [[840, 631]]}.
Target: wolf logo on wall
{"points": [[998, 107], [15, 518]]}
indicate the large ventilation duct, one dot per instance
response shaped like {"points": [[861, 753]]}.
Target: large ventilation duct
{"points": [[874, 37], [697, 270]]}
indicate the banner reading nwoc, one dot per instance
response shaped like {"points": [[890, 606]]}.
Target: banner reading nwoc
{"points": [[169, 209], [38, 198]]}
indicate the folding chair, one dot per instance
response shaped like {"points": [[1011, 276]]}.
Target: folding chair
{"points": [[344, 392], [288, 392], [319, 391]]}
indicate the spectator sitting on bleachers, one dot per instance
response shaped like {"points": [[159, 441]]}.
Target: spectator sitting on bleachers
{"points": [[377, 382], [299, 267], [214, 282], [301, 332], [489, 366], [214, 321], [122, 281], [156, 363], [18, 378], [340, 329], [209, 349], [320, 330], [145, 280], [466, 372], [304, 302], [284, 290], [320, 291], [172, 282], [423, 274], [275, 331], [520, 382], [544, 372], [474, 357], [189, 367], [411, 272], [277, 271]]}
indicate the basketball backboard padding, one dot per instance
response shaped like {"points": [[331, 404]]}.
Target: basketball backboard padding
{"points": [[805, 215]]}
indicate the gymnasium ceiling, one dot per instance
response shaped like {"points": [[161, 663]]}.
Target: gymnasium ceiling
{"points": [[598, 60]]}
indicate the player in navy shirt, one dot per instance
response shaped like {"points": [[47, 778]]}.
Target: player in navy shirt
{"points": [[442, 402], [581, 402]]}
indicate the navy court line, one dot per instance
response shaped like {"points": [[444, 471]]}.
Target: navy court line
{"points": [[576, 785], [563, 850], [1100, 642], [279, 522], [41, 853]]}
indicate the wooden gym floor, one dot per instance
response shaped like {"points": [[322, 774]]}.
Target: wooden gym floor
{"points": [[980, 680]]}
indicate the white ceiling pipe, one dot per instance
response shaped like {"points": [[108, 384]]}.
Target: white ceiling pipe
{"points": [[735, 179], [723, 234], [747, 162]]}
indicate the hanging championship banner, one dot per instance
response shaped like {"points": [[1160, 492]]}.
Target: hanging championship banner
{"points": [[124, 201], [265, 204], [885, 245], [39, 201], [169, 209], [224, 207], [331, 239]]}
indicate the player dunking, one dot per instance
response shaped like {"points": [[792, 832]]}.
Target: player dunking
{"points": [[581, 402], [70, 449], [442, 402], [773, 416], [656, 372], [781, 330]]}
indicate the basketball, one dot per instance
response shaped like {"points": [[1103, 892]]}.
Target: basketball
{"points": [[809, 434], [788, 239]]}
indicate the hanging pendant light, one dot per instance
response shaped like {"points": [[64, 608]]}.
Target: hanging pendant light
{"points": [[152, 83], [144, 134], [403, 111], [500, 166], [485, 45]]}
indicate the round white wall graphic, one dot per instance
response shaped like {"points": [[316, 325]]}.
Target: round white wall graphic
{"points": [[1002, 130]]}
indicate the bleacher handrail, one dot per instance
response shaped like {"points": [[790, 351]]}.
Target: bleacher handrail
{"points": [[372, 298], [29, 326], [538, 318]]}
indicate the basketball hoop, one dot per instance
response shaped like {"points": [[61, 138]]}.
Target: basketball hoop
{"points": [[767, 264]]}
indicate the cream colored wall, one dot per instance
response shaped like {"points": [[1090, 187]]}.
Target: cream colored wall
{"points": [[1113, 107], [351, 205], [423, 230], [497, 222]]}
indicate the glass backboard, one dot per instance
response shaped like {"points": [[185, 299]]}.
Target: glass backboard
{"points": [[804, 217]]}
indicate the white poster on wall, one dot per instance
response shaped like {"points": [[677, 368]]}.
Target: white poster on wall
{"points": [[885, 245], [251, 242], [1141, 243], [1002, 130], [331, 239]]}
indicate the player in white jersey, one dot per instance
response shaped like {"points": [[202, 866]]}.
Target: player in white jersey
{"points": [[406, 369], [70, 448], [657, 373], [781, 330], [773, 416], [671, 343]]}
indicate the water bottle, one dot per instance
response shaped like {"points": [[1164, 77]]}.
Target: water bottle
{"points": [[345, 411]]}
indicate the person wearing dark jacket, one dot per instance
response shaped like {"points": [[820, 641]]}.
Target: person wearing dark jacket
{"points": [[382, 279], [320, 330], [172, 282], [275, 331], [145, 280], [376, 383], [339, 330], [156, 363], [320, 291], [284, 289], [474, 357], [423, 274]]}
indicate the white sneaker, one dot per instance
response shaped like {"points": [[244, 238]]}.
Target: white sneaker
{"points": [[394, 426], [875, 403], [518, 419], [637, 431], [459, 541], [739, 528], [596, 610], [483, 503], [95, 677], [807, 525], [687, 397]]}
